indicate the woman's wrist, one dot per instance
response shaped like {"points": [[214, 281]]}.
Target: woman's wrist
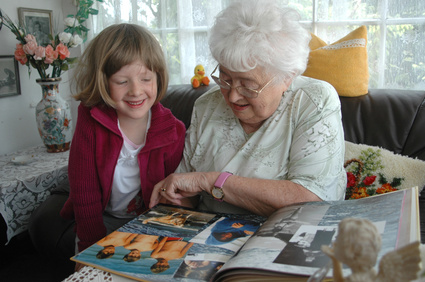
{"points": [[209, 180]]}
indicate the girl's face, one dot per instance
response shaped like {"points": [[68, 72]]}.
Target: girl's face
{"points": [[251, 112], [134, 90]]}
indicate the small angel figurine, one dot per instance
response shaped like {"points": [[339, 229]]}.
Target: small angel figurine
{"points": [[357, 245]]}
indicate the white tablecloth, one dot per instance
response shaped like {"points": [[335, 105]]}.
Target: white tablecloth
{"points": [[23, 187]]}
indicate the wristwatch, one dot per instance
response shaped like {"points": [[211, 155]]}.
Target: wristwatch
{"points": [[217, 191]]}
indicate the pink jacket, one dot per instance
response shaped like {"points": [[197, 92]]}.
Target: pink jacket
{"points": [[94, 152]]}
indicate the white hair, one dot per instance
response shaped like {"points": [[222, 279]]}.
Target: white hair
{"points": [[249, 34]]}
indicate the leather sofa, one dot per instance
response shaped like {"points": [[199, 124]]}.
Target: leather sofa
{"points": [[392, 119]]}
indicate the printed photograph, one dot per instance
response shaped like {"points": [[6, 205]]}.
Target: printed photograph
{"points": [[140, 255], [228, 233], [38, 23], [304, 248], [178, 221], [9, 77], [284, 224], [200, 270]]}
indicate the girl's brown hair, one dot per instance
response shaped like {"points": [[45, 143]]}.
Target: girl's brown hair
{"points": [[116, 46]]}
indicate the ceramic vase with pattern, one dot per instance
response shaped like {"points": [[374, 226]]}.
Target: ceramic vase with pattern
{"points": [[53, 116]]}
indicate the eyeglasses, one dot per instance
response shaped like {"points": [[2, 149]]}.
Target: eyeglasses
{"points": [[244, 91]]}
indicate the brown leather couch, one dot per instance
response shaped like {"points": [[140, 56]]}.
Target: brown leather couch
{"points": [[392, 119]]}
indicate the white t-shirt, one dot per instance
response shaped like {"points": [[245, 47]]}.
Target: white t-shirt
{"points": [[126, 182]]}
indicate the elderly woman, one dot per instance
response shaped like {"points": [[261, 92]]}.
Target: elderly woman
{"points": [[265, 137]]}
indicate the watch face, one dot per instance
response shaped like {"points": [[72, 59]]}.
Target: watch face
{"points": [[217, 193]]}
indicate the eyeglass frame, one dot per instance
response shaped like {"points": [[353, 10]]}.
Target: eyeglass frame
{"points": [[220, 82]]}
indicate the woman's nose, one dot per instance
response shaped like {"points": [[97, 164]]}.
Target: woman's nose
{"points": [[234, 95]]}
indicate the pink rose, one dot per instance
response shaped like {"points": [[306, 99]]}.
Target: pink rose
{"points": [[62, 51], [29, 38], [20, 55], [30, 47], [39, 53], [51, 54]]}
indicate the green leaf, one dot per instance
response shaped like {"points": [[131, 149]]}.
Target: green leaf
{"points": [[72, 60], [397, 181], [84, 29], [371, 192], [382, 179], [93, 11]]}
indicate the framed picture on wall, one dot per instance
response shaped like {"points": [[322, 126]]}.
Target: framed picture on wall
{"points": [[9, 76], [37, 22]]}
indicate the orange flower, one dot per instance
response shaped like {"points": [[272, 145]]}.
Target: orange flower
{"points": [[51, 54], [359, 192], [62, 51], [385, 188], [50, 110], [20, 55]]}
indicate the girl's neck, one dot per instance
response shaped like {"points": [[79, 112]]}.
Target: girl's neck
{"points": [[135, 129]]}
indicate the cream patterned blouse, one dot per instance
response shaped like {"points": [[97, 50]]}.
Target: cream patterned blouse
{"points": [[303, 141]]}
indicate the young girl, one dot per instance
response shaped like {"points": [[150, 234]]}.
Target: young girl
{"points": [[125, 141]]}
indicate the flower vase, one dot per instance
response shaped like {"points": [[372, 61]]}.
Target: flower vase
{"points": [[53, 116]]}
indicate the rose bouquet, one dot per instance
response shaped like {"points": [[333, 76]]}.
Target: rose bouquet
{"points": [[54, 56]]}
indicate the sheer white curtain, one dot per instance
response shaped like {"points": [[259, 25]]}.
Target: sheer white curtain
{"points": [[180, 25], [396, 32]]}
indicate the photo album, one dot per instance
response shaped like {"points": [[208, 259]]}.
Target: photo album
{"points": [[172, 243]]}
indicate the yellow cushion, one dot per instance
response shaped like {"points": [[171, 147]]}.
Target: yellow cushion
{"points": [[343, 63]]}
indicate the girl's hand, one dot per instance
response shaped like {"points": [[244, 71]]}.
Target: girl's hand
{"points": [[179, 186]]}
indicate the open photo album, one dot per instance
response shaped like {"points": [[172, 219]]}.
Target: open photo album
{"points": [[172, 243]]}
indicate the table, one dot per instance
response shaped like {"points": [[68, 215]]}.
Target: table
{"points": [[25, 185]]}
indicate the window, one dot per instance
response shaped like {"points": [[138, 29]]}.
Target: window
{"points": [[396, 32]]}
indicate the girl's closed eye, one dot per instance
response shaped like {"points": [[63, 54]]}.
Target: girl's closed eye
{"points": [[118, 81]]}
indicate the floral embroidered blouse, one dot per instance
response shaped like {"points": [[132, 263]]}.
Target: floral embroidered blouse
{"points": [[303, 141]]}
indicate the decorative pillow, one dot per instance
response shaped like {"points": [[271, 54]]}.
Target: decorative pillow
{"points": [[343, 63], [374, 170]]}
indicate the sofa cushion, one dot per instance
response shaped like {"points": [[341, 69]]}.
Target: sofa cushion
{"points": [[392, 119], [372, 170], [343, 64]]}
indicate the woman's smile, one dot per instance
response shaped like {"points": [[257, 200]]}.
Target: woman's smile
{"points": [[239, 108]]}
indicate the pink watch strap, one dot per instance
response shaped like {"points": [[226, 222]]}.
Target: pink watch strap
{"points": [[222, 178]]}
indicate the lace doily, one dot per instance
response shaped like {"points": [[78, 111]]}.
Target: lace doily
{"points": [[89, 274]]}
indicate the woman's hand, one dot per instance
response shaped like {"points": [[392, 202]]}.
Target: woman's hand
{"points": [[179, 186]]}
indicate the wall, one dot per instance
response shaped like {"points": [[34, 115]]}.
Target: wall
{"points": [[18, 129]]}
